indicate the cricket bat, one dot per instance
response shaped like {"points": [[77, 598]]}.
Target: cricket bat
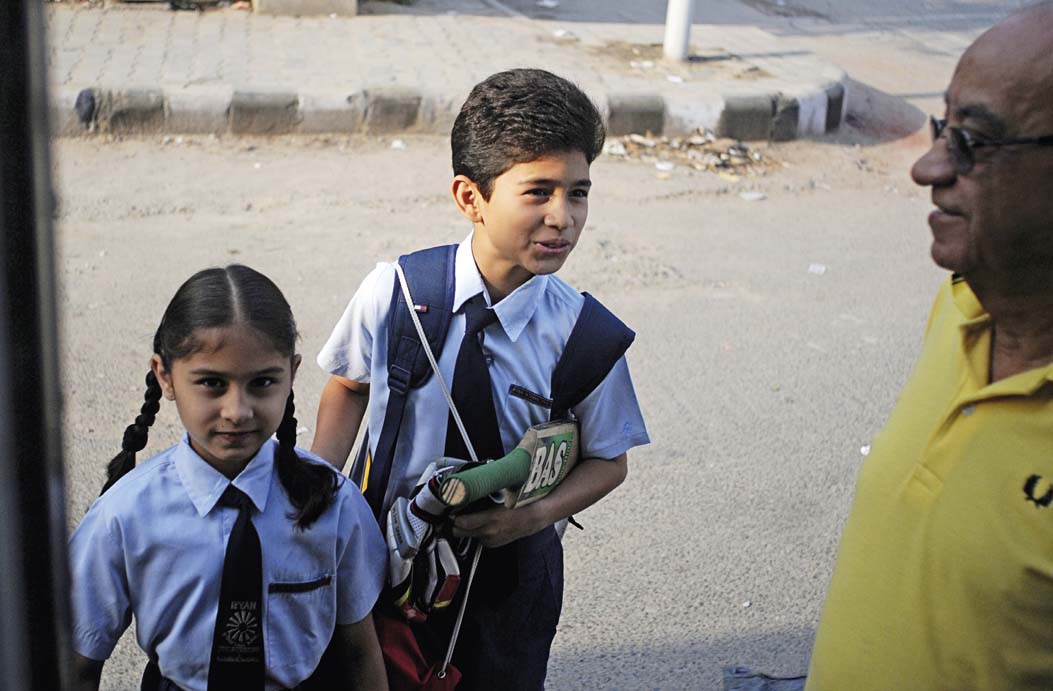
{"points": [[534, 468]]}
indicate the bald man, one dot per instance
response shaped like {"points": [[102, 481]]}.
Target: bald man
{"points": [[944, 576]]}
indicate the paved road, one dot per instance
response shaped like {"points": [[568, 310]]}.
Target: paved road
{"points": [[761, 375], [773, 338]]}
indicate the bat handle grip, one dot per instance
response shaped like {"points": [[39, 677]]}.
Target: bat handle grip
{"points": [[467, 486]]}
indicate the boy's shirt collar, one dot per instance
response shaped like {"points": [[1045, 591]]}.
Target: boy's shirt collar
{"points": [[206, 485], [515, 311]]}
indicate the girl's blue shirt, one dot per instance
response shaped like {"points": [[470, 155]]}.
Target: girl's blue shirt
{"points": [[153, 547]]}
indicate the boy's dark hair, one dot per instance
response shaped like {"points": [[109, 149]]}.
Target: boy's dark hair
{"points": [[519, 116], [215, 298]]}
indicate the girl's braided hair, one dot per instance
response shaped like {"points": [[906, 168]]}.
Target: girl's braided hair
{"points": [[215, 298]]}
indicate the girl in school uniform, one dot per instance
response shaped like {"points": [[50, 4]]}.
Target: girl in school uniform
{"points": [[243, 559]]}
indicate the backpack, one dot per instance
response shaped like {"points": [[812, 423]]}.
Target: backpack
{"points": [[595, 344]]}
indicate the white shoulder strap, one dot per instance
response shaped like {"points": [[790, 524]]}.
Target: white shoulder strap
{"points": [[431, 359]]}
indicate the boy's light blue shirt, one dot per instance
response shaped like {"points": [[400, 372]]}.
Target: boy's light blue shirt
{"points": [[534, 322], [154, 546]]}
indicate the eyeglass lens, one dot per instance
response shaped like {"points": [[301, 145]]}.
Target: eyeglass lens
{"points": [[960, 152]]}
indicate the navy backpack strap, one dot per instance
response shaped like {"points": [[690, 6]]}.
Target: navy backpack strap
{"points": [[595, 344], [430, 274]]}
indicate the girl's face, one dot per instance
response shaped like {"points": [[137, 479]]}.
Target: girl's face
{"points": [[230, 393]]}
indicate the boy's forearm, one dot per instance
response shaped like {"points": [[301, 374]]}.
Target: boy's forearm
{"points": [[340, 412], [591, 480]]}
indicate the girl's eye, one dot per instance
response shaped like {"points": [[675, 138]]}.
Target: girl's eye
{"points": [[211, 382], [264, 382], [538, 192]]}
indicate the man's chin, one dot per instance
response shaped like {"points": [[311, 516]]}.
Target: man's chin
{"points": [[950, 259]]}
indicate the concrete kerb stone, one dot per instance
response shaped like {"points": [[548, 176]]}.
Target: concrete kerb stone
{"points": [[323, 113], [796, 112], [62, 115], [786, 118], [635, 113], [686, 113], [835, 106], [198, 111], [132, 111], [390, 109], [438, 111], [263, 112], [786, 115], [747, 117]]}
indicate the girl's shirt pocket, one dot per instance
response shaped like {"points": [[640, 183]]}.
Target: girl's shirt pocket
{"points": [[301, 616], [300, 586]]}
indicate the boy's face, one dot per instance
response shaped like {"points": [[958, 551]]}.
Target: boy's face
{"points": [[532, 220]]}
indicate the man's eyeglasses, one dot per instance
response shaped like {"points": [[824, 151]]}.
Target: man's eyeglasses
{"points": [[962, 144]]}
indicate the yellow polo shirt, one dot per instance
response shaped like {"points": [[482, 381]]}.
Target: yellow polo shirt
{"points": [[944, 576]]}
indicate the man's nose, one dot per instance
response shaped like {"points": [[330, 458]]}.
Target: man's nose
{"points": [[935, 167]]}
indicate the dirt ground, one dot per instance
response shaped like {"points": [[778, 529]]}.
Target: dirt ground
{"points": [[777, 317]]}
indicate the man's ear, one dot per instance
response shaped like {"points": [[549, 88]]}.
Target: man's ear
{"points": [[467, 197], [164, 377]]}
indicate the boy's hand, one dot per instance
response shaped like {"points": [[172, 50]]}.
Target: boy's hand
{"points": [[590, 480], [499, 525]]}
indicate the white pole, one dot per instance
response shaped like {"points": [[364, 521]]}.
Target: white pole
{"points": [[678, 29]]}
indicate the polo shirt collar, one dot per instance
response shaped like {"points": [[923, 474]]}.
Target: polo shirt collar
{"points": [[975, 319], [206, 485], [518, 307], [967, 303]]}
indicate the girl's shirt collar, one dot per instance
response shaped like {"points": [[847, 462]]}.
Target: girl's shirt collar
{"points": [[205, 485]]}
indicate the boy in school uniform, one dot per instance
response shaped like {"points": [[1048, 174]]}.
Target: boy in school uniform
{"points": [[522, 147]]}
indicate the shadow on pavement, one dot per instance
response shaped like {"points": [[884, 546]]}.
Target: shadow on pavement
{"points": [[875, 117], [880, 115], [689, 665]]}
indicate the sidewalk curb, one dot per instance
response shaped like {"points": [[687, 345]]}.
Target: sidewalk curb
{"points": [[796, 112], [261, 112]]}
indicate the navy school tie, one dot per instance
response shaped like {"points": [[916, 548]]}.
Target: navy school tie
{"points": [[237, 644], [474, 397], [472, 392]]}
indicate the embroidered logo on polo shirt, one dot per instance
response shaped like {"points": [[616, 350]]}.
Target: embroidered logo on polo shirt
{"points": [[1030, 487]]}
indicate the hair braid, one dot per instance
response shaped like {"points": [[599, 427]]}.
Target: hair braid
{"points": [[217, 298], [287, 427], [310, 486], [136, 434]]}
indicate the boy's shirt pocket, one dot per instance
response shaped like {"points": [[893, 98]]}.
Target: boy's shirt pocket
{"points": [[301, 616]]}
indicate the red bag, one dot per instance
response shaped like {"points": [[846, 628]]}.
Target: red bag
{"points": [[407, 668]]}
